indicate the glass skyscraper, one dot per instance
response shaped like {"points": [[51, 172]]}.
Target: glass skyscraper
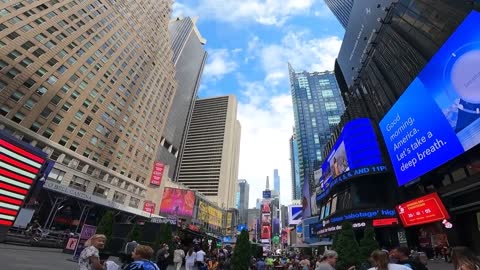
{"points": [[295, 168], [341, 9], [317, 105]]}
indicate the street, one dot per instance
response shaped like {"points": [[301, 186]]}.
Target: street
{"points": [[25, 257]]}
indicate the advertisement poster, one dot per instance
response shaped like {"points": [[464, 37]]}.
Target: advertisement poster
{"points": [[294, 214], [87, 232], [266, 232], [209, 214], [438, 116], [266, 206], [157, 173], [422, 210], [177, 202], [149, 207]]}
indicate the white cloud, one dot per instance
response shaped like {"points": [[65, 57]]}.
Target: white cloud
{"points": [[266, 129], [219, 64], [267, 12], [317, 54]]}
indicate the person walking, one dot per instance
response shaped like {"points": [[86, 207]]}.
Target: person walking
{"points": [[90, 256], [380, 261], [129, 248], [162, 256], [329, 260], [178, 255], [464, 259], [141, 256], [190, 259], [401, 255], [200, 257]]}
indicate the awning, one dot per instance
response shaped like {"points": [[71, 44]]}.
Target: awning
{"points": [[301, 245], [321, 243]]}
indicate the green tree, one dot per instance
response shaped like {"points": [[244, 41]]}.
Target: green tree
{"points": [[105, 226], [242, 252], [135, 233], [347, 247], [368, 244], [164, 236]]}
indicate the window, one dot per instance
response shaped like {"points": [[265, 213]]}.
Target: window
{"points": [[14, 54], [94, 140], [62, 69], [18, 117], [63, 141], [46, 112], [74, 146], [79, 183], [4, 110], [101, 191], [56, 175], [3, 64], [52, 79], [87, 153], [66, 106], [48, 133], [13, 35], [27, 45], [29, 104], [35, 126], [52, 62], [57, 119], [71, 127], [29, 83], [16, 96], [38, 52], [75, 94], [88, 120], [26, 62], [334, 119], [12, 73], [81, 133], [327, 93], [79, 115], [330, 106], [41, 90], [86, 103], [55, 100], [41, 72]]}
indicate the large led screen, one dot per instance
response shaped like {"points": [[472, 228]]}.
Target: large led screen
{"points": [[422, 210], [355, 153], [437, 118], [177, 202]]}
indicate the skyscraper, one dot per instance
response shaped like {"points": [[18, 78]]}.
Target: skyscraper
{"points": [[341, 9], [276, 182], [317, 107], [189, 59], [295, 169], [243, 191], [210, 159], [90, 83]]}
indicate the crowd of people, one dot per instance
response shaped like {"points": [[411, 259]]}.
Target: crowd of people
{"points": [[144, 258]]}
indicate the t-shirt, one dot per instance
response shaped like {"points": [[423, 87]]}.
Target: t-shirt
{"points": [[84, 259], [201, 256], [178, 255], [393, 266], [190, 259], [324, 266], [142, 265]]}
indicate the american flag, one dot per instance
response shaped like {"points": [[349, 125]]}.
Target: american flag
{"points": [[18, 170]]}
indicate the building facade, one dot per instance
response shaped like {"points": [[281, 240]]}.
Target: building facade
{"points": [[407, 36], [91, 84], [189, 58], [317, 107], [341, 9], [295, 168], [243, 194], [276, 182], [210, 159]]}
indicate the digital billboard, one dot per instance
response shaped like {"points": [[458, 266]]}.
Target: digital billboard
{"points": [[177, 201], [20, 164], [294, 214], [438, 116], [209, 214], [422, 210], [355, 153]]}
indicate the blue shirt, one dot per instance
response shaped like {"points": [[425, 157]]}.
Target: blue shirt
{"points": [[142, 265]]}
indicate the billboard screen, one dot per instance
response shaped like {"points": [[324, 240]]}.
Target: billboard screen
{"points": [[355, 153], [157, 173], [266, 206], [422, 210], [177, 202], [209, 214], [19, 166], [294, 214], [149, 207], [437, 118]]}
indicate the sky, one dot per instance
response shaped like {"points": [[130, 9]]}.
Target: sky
{"points": [[249, 43]]}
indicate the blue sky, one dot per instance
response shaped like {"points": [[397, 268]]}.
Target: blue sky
{"points": [[249, 44]]}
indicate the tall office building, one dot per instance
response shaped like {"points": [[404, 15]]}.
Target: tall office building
{"points": [[317, 107], [243, 191], [90, 83], [341, 9], [210, 159], [295, 169], [189, 59], [276, 182]]}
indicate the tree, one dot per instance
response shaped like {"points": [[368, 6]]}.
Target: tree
{"points": [[368, 244], [164, 236], [135, 233], [347, 247], [242, 252], [105, 226]]}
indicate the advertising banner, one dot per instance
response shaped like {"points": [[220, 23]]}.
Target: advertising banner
{"points": [[19, 166], [209, 214], [294, 214], [157, 173], [438, 116], [422, 210], [177, 201], [267, 194], [87, 232], [266, 206], [149, 207]]}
